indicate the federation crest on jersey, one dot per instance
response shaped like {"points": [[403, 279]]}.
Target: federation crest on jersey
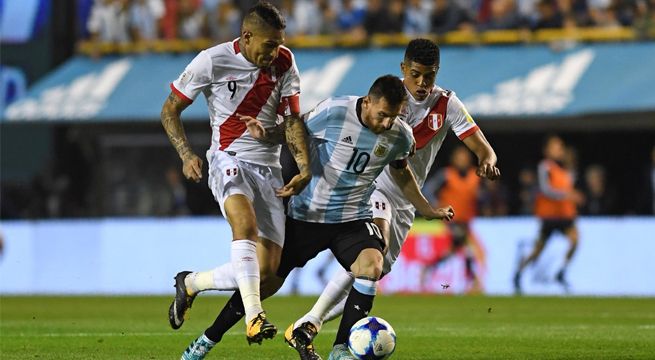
{"points": [[380, 150], [435, 121]]}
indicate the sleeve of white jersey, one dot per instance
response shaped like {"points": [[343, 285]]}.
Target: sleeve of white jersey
{"points": [[196, 76], [409, 143], [290, 93], [460, 120]]}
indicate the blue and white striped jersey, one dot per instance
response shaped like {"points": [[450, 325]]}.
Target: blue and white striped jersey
{"points": [[345, 159]]}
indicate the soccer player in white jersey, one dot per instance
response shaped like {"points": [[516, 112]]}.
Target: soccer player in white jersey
{"points": [[352, 139], [431, 111], [252, 76]]}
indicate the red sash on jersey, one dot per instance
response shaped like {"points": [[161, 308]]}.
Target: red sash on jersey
{"points": [[432, 123]]}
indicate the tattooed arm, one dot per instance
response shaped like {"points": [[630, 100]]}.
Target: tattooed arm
{"points": [[296, 137], [170, 120]]}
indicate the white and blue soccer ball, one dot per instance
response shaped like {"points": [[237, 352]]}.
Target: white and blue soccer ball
{"points": [[372, 338]]}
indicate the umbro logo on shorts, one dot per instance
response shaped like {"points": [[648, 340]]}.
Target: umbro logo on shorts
{"points": [[232, 171], [347, 140]]}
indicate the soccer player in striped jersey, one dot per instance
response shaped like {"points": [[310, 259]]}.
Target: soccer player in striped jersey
{"points": [[430, 113], [254, 76], [352, 140]]}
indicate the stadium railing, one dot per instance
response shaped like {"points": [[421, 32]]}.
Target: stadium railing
{"points": [[618, 34]]}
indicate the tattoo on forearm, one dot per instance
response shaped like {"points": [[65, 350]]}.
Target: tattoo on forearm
{"points": [[297, 142], [170, 119]]}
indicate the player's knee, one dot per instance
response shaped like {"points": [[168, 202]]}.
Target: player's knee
{"points": [[369, 264], [244, 228]]}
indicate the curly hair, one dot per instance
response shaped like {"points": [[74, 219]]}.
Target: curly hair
{"points": [[423, 51]]}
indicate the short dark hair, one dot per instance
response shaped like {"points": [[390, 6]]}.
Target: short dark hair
{"points": [[423, 51], [269, 14], [389, 87]]}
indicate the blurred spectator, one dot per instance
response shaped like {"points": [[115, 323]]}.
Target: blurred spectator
{"points": [[644, 20], [528, 189], [492, 199], [417, 18], [378, 20], [307, 16], [396, 15], [192, 20], [224, 22], [328, 18], [448, 16], [144, 16], [288, 10], [503, 16], [350, 17], [109, 21], [598, 199], [548, 16]]}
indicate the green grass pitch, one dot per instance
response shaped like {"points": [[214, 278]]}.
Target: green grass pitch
{"points": [[428, 327]]}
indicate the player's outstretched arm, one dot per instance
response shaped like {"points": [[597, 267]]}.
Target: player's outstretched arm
{"points": [[296, 137], [486, 156], [404, 178], [172, 123]]}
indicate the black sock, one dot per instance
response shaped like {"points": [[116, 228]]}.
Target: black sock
{"points": [[357, 307], [232, 312]]}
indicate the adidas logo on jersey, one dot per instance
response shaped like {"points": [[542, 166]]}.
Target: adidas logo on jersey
{"points": [[348, 140]]}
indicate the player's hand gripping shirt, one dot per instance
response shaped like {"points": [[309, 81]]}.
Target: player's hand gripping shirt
{"points": [[345, 159], [232, 85], [430, 120]]}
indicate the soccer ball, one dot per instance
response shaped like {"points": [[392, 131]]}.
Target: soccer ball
{"points": [[372, 338]]}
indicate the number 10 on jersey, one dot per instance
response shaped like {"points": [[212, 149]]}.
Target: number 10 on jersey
{"points": [[358, 161]]}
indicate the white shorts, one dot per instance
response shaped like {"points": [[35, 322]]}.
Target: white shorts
{"points": [[400, 221], [230, 176]]}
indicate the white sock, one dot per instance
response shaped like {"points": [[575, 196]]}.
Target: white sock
{"points": [[335, 292], [220, 278], [246, 274]]}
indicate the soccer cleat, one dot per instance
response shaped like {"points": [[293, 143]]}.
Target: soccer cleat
{"points": [[341, 352], [198, 348], [259, 329], [182, 302], [301, 340]]}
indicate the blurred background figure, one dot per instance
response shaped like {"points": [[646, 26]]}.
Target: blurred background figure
{"points": [[447, 15], [417, 18], [191, 20], [176, 193], [144, 19], [599, 200], [493, 199], [109, 21], [555, 205], [224, 21], [528, 190], [459, 186]]}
